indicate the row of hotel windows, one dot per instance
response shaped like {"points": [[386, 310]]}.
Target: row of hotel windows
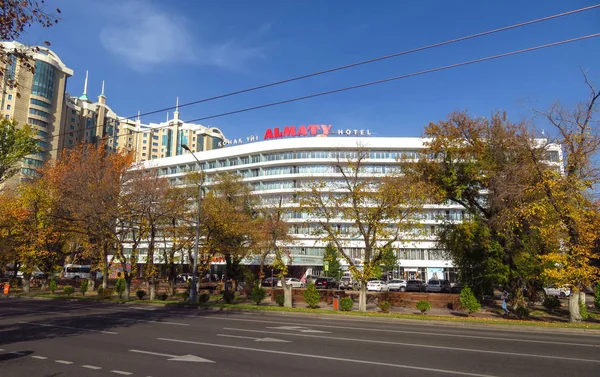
{"points": [[354, 253]]}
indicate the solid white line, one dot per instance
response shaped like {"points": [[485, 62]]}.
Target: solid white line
{"points": [[331, 358], [63, 362], [39, 357], [409, 332], [153, 353], [168, 323], [120, 372], [413, 345], [91, 367], [67, 327], [138, 308]]}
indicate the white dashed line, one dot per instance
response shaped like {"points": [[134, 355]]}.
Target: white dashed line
{"points": [[120, 372], [68, 327], [91, 367], [39, 357], [63, 362]]}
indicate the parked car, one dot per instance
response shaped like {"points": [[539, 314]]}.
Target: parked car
{"points": [[377, 286], [326, 283], [185, 277], [415, 286], [311, 279], [397, 285], [457, 288], [558, 291], [295, 283], [346, 282], [270, 282], [442, 286]]}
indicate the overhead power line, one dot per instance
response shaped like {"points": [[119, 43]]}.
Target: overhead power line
{"points": [[406, 52], [589, 36]]}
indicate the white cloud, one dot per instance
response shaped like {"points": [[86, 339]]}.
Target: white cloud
{"points": [[146, 36]]}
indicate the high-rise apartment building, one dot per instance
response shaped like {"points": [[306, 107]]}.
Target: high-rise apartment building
{"points": [[37, 99]]}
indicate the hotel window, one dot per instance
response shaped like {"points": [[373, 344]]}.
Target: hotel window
{"points": [[9, 97], [7, 107], [39, 112], [43, 80]]}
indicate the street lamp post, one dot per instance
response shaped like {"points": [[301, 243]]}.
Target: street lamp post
{"points": [[193, 288]]}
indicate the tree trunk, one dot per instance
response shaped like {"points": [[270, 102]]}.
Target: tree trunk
{"points": [[26, 285], [128, 288], [152, 283], [362, 298], [173, 286], [91, 284], [574, 314], [105, 275], [287, 292]]}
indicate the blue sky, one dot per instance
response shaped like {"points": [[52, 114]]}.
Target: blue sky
{"points": [[150, 52]]}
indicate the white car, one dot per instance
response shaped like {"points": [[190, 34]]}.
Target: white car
{"points": [[377, 286], [558, 291], [397, 285], [295, 283]]}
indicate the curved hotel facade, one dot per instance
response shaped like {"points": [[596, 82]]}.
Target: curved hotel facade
{"points": [[278, 167]]}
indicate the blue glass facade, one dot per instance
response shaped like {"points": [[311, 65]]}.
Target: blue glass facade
{"points": [[43, 80]]}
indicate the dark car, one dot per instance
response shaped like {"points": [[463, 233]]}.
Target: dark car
{"points": [[326, 283], [270, 282], [415, 286], [442, 286]]}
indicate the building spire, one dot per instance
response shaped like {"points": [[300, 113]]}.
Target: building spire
{"points": [[85, 84], [138, 116], [102, 94], [167, 117], [176, 112]]}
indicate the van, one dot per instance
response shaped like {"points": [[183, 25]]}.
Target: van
{"points": [[77, 271]]}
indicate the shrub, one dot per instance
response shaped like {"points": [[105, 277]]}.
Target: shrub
{"points": [[120, 286], [99, 290], [204, 297], [469, 301], [162, 296], [551, 303], [385, 306], [228, 297], [597, 296], [140, 294], [423, 306], [68, 290], [312, 296], [583, 311], [185, 295], [280, 299], [258, 294], [346, 304], [53, 286], [522, 312], [107, 293], [84, 287]]}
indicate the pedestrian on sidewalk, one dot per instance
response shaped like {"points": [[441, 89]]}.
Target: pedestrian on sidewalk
{"points": [[504, 297]]}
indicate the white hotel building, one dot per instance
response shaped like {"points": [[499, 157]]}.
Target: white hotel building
{"points": [[280, 166]]}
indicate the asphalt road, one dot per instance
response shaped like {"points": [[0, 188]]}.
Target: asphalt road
{"points": [[74, 338]]}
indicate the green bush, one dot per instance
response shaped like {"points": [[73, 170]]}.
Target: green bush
{"points": [[68, 290], [258, 294], [185, 295], [162, 296], [346, 304], [597, 296], [469, 301], [140, 294], [83, 287], [583, 311], [107, 293], [228, 297], [384, 306], [522, 312], [120, 286], [280, 299], [204, 297], [312, 296], [53, 286], [423, 306], [99, 290], [551, 303]]}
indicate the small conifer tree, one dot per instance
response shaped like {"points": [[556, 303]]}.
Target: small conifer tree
{"points": [[312, 296], [469, 301]]}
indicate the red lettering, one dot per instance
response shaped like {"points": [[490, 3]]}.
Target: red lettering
{"points": [[268, 134], [277, 133], [302, 131], [313, 129], [289, 131], [325, 129]]}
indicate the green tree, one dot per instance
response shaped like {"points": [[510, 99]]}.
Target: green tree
{"points": [[312, 296], [120, 286], [332, 257], [258, 294], [597, 296], [468, 300], [15, 143]]}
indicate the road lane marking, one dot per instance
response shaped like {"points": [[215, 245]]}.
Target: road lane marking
{"points": [[192, 358], [401, 366], [409, 332], [68, 327], [445, 348], [63, 362], [168, 323], [139, 308], [256, 339], [33, 311], [39, 357], [299, 328], [120, 372], [91, 367], [17, 353]]}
